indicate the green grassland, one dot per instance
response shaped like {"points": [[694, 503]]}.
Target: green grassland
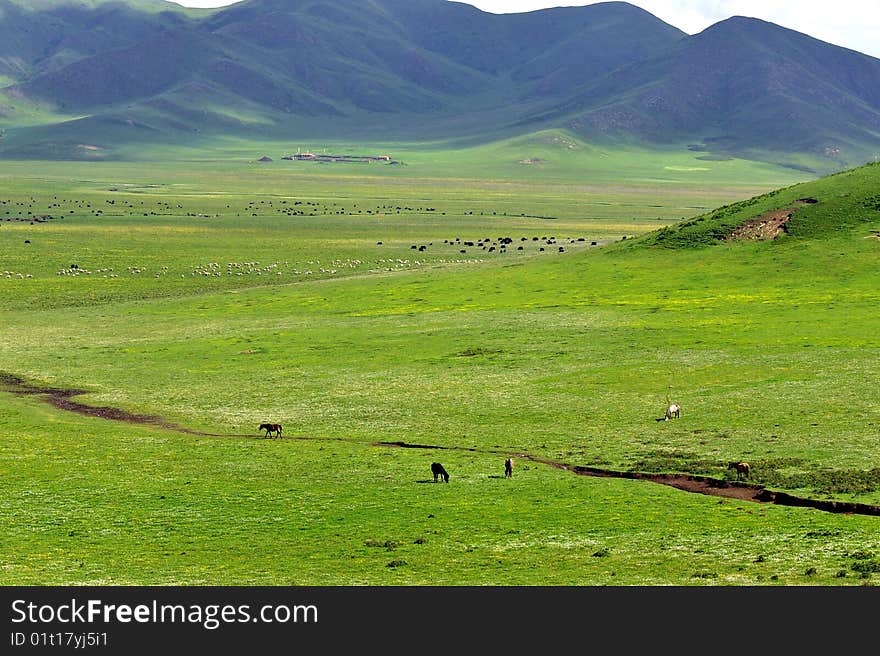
{"points": [[221, 293]]}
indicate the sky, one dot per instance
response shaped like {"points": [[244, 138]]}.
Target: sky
{"points": [[852, 24]]}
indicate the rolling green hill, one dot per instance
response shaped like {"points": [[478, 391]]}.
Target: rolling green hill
{"points": [[832, 207]]}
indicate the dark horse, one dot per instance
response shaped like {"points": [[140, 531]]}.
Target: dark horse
{"points": [[508, 468], [437, 470], [271, 428]]}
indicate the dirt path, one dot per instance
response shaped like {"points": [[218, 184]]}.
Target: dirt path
{"points": [[61, 399]]}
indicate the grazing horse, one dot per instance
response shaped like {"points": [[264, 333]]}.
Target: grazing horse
{"points": [[437, 470], [508, 468], [742, 469], [673, 412], [271, 428]]}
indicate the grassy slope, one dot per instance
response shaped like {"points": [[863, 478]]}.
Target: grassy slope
{"points": [[567, 356]]}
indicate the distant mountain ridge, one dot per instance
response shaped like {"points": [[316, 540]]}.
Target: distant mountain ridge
{"points": [[123, 71]]}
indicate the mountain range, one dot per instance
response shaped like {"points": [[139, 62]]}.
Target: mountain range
{"points": [[111, 72]]}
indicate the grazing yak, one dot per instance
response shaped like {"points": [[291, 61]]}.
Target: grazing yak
{"points": [[743, 470], [271, 428], [438, 470], [508, 468]]}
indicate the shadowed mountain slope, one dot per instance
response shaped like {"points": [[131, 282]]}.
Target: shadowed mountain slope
{"points": [[740, 87], [433, 68]]}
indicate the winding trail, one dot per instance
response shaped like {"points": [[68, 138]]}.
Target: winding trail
{"points": [[62, 399]]}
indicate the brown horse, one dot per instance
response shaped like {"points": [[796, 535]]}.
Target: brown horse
{"points": [[508, 468], [743, 470], [271, 428]]}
